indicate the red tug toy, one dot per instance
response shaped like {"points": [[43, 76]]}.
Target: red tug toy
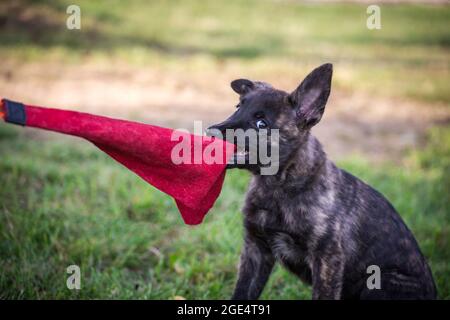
{"points": [[144, 149]]}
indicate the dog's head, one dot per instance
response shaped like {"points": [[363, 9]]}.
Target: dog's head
{"points": [[262, 108]]}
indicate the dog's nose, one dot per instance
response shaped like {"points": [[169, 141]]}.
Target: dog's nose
{"points": [[212, 131]]}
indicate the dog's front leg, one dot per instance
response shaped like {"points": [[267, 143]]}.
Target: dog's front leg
{"points": [[327, 277], [255, 266]]}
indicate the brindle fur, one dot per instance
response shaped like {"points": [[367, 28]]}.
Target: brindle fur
{"points": [[320, 222]]}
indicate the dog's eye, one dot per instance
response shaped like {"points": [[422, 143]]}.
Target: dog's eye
{"points": [[238, 106], [261, 124]]}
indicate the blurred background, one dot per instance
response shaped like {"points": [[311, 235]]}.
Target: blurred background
{"points": [[169, 63]]}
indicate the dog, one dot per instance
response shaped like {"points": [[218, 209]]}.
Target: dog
{"points": [[320, 222]]}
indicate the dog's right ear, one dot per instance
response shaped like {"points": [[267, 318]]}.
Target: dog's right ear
{"points": [[310, 97], [242, 86]]}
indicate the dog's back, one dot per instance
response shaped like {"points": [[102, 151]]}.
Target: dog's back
{"points": [[381, 239]]}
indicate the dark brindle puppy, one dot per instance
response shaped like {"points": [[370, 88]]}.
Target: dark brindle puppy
{"points": [[320, 222]]}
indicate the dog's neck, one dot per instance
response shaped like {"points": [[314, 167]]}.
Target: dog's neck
{"points": [[304, 165]]}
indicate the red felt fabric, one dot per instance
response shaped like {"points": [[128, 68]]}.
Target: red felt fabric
{"points": [[146, 150]]}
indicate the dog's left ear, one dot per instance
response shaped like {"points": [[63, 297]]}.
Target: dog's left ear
{"points": [[310, 97], [242, 86]]}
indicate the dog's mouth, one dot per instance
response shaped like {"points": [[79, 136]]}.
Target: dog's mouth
{"points": [[241, 155], [245, 156], [240, 159]]}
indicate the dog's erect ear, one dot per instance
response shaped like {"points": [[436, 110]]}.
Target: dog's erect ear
{"points": [[242, 86], [310, 97]]}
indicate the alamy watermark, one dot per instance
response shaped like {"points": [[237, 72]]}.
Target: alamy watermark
{"points": [[73, 282], [373, 21], [254, 147], [374, 280], [73, 21]]}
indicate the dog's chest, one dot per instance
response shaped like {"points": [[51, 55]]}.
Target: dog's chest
{"points": [[271, 207], [278, 217]]}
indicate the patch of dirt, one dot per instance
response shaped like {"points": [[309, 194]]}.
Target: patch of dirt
{"points": [[354, 124]]}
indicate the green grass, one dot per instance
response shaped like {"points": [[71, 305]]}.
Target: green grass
{"points": [[63, 202], [408, 57]]}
